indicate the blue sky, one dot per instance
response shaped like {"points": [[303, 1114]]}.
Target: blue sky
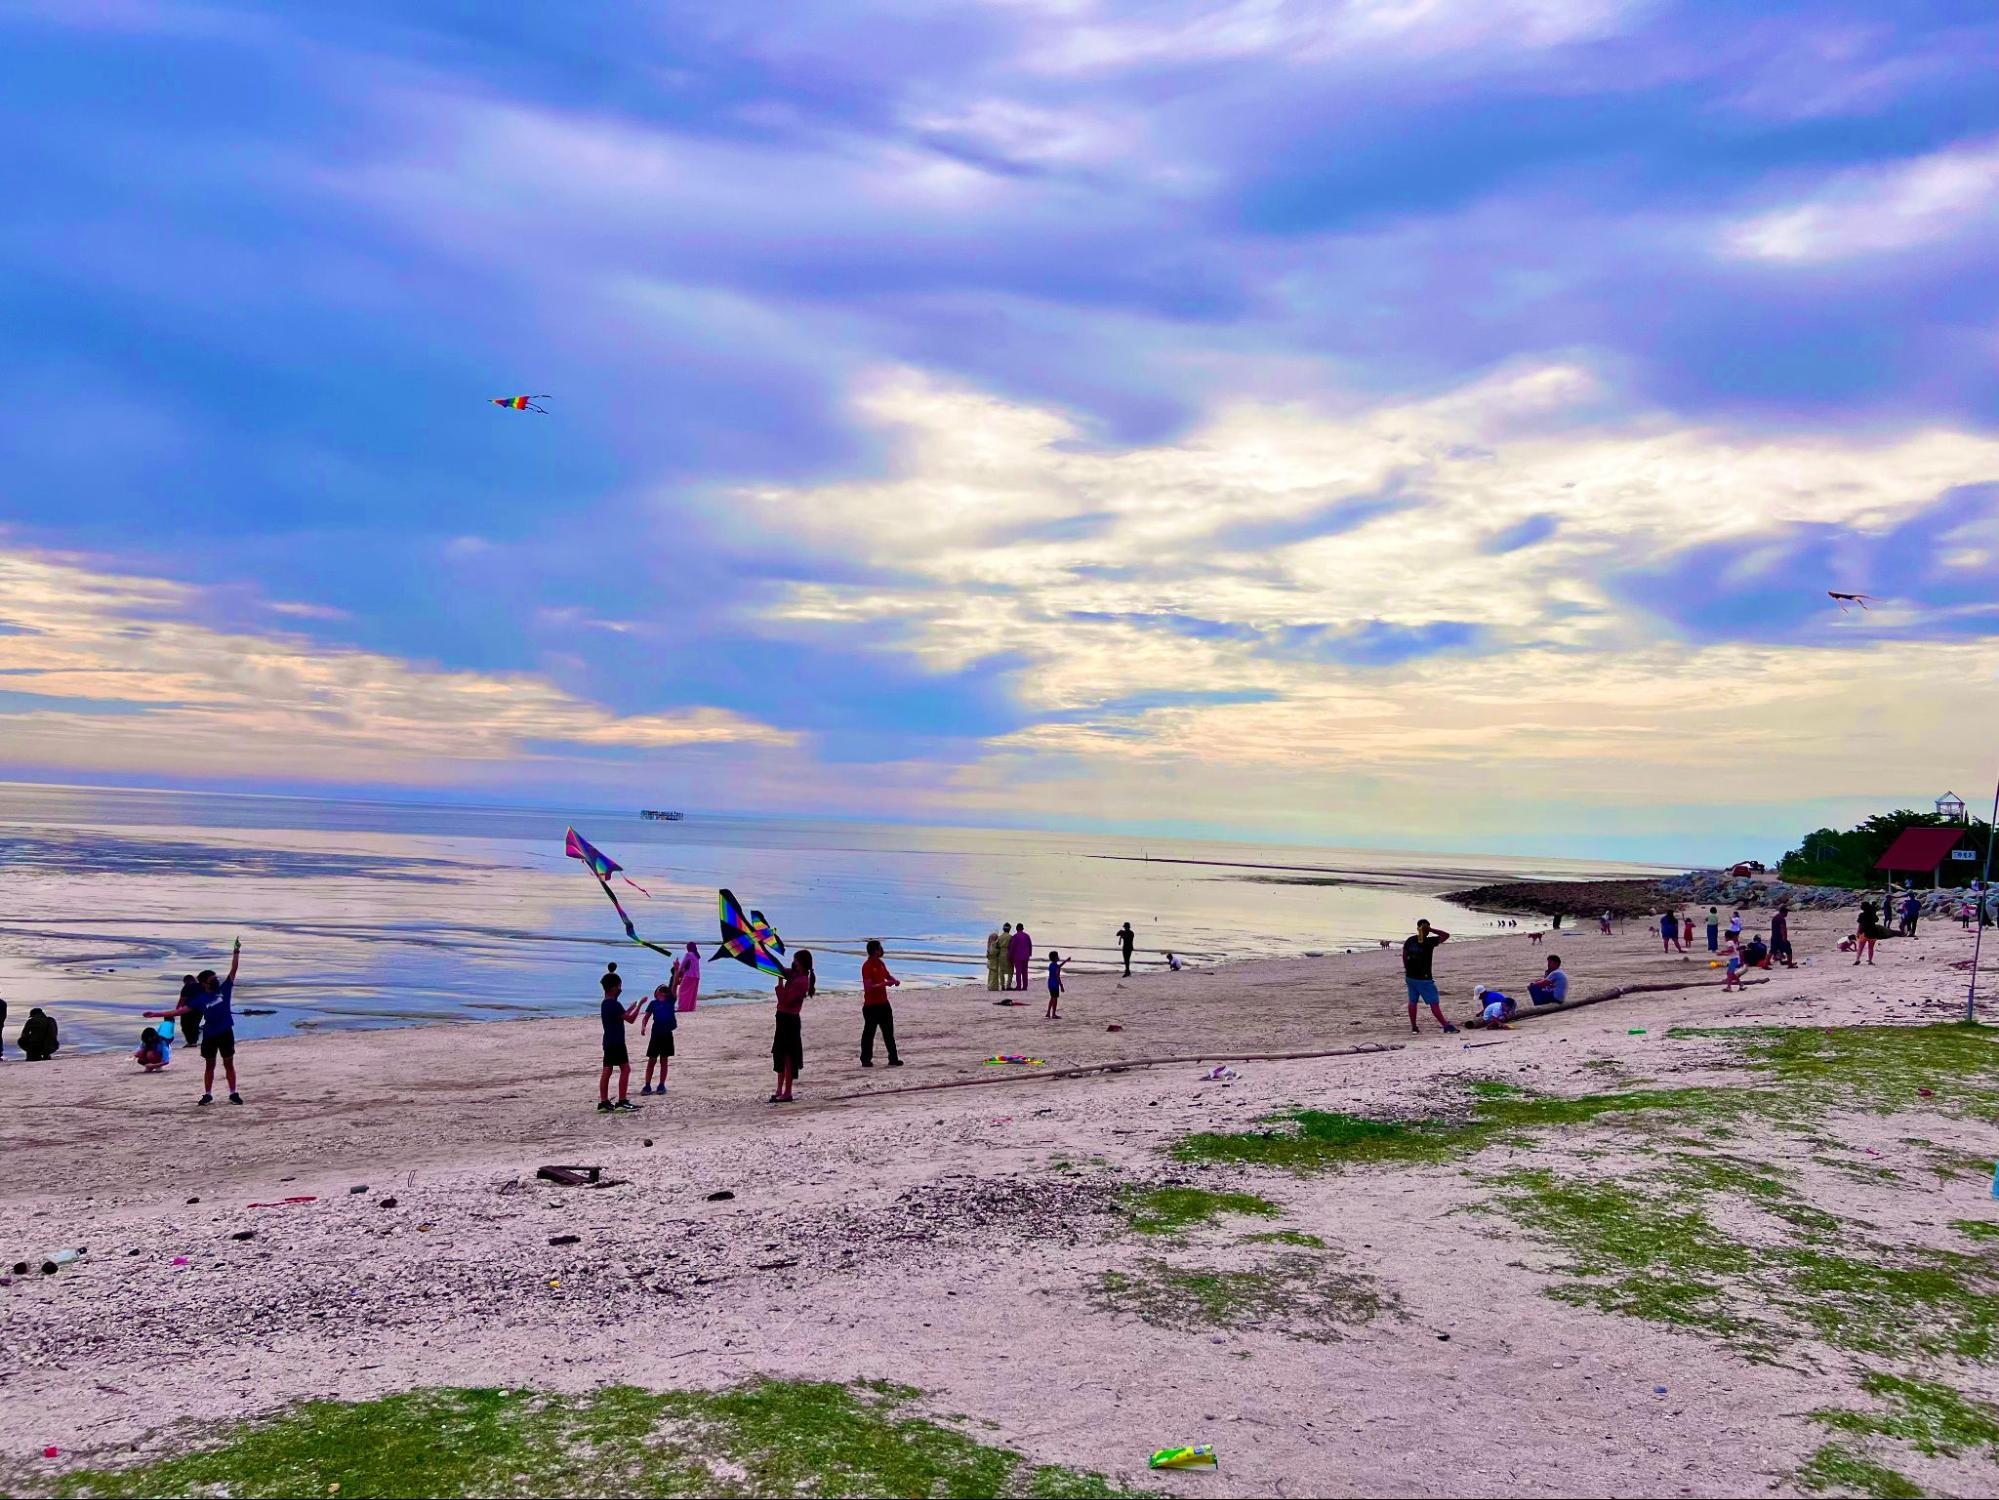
{"points": [[1406, 421]]}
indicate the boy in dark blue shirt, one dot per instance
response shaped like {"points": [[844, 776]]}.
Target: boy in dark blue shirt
{"points": [[615, 1014], [211, 1002]]}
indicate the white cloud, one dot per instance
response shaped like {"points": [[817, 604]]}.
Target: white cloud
{"points": [[1878, 210], [185, 698]]}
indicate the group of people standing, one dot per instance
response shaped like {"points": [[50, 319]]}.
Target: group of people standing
{"points": [[1008, 954]]}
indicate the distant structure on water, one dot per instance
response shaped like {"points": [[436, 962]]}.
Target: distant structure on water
{"points": [[660, 817]]}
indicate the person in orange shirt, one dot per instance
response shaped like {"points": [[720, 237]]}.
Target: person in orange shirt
{"points": [[876, 1013]]}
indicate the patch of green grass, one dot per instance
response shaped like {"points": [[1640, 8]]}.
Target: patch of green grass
{"points": [[1932, 1303], [1285, 1237], [1311, 1140], [772, 1437], [1303, 1295], [1173, 1209], [1882, 1068], [1977, 1229], [1931, 1418], [1835, 1467]]}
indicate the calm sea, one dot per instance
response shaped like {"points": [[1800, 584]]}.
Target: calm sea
{"points": [[373, 913]]}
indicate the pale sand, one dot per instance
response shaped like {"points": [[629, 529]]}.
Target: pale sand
{"points": [[936, 1242]]}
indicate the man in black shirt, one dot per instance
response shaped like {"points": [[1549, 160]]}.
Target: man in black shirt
{"points": [[1422, 984], [1125, 938]]}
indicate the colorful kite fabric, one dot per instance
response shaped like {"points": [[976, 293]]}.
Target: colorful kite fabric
{"points": [[748, 940], [521, 403], [601, 864], [1017, 1061], [1200, 1457], [604, 867]]}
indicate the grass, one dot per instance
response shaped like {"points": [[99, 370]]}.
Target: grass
{"points": [[1835, 1467], [1882, 1068], [1285, 1237], [1301, 1294], [1976, 1229], [1172, 1210], [1933, 1419], [768, 1438]]}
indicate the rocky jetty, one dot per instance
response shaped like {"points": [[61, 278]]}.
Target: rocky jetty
{"points": [[1638, 898]]}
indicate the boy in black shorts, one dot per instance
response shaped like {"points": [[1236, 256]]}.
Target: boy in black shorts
{"points": [[660, 1017], [615, 1016]]}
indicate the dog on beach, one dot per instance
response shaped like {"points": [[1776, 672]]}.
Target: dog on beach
{"points": [[1537, 936]]}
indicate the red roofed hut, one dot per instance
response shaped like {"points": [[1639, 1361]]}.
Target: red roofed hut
{"points": [[1930, 851]]}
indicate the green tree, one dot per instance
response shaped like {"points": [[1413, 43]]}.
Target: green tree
{"points": [[1831, 856]]}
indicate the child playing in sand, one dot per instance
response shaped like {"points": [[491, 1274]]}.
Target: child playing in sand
{"points": [[615, 1015], [1732, 980], [152, 1054], [1056, 963], [1495, 1009], [1173, 962], [877, 1015], [661, 1018], [787, 1047]]}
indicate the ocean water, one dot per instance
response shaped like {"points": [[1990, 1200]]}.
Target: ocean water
{"points": [[373, 913]]}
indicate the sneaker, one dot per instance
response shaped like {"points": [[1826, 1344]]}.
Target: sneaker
{"points": [[1450, 1031], [603, 1106], [895, 1062], [206, 1099], [646, 1090], [866, 1063], [235, 1098], [625, 1107]]}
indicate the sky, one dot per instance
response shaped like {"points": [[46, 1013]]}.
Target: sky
{"points": [[1410, 423]]}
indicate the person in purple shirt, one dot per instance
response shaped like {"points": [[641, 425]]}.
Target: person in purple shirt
{"points": [[211, 1002], [1021, 951]]}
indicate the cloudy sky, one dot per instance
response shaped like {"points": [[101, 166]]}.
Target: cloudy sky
{"points": [[1413, 422]]}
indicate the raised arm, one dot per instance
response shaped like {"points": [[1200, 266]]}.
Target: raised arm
{"points": [[235, 959]]}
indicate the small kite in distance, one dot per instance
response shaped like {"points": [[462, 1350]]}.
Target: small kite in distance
{"points": [[521, 403], [749, 939], [1846, 599]]}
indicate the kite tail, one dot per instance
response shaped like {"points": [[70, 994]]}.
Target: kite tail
{"points": [[636, 886], [631, 931]]}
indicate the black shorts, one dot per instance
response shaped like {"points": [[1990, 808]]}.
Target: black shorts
{"points": [[661, 1044], [787, 1047], [615, 1055], [218, 1044]]}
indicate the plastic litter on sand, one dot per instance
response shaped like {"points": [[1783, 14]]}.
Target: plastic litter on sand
{"points": [[1201, 1456]]}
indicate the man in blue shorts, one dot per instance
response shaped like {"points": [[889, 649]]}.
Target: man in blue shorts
{"points": [[211, 1002], [1422, 983]]}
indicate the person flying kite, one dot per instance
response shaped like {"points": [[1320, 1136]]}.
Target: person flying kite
{"points": [[1846, 599], [749, 939], [521, 403], [604, 867]]}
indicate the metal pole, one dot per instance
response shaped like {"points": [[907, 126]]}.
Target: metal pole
{"points": [[1984, 895]]}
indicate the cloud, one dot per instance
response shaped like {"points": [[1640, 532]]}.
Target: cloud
{"points": [[185, 697], [1880, 210]]}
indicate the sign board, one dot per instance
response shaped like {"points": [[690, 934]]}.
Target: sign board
{"points": [[1964, 854]]}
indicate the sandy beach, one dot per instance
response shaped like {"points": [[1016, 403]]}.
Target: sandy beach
{"points": [[1406, 1324]]}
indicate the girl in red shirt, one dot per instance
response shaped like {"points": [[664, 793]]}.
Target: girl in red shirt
{"points": [[876, 1013]]}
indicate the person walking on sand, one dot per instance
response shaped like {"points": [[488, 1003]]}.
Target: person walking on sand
{"points": [[217, 1025], [661, 1019], [1125, 940], [1603, 924], [1714, 929], [877, 1015], [1866, 933], [689, 983], [997, 956], [1912, 911], [190, 1021], [1418, 953], [1780, 936], [1669, 933], [787, 1045], [1056, 964], [615, 1014], [1021, 950]]}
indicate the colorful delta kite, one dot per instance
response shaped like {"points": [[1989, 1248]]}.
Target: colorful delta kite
{"points": [[748, 940], [521, 403], [1845, 599], [604, 867]]}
